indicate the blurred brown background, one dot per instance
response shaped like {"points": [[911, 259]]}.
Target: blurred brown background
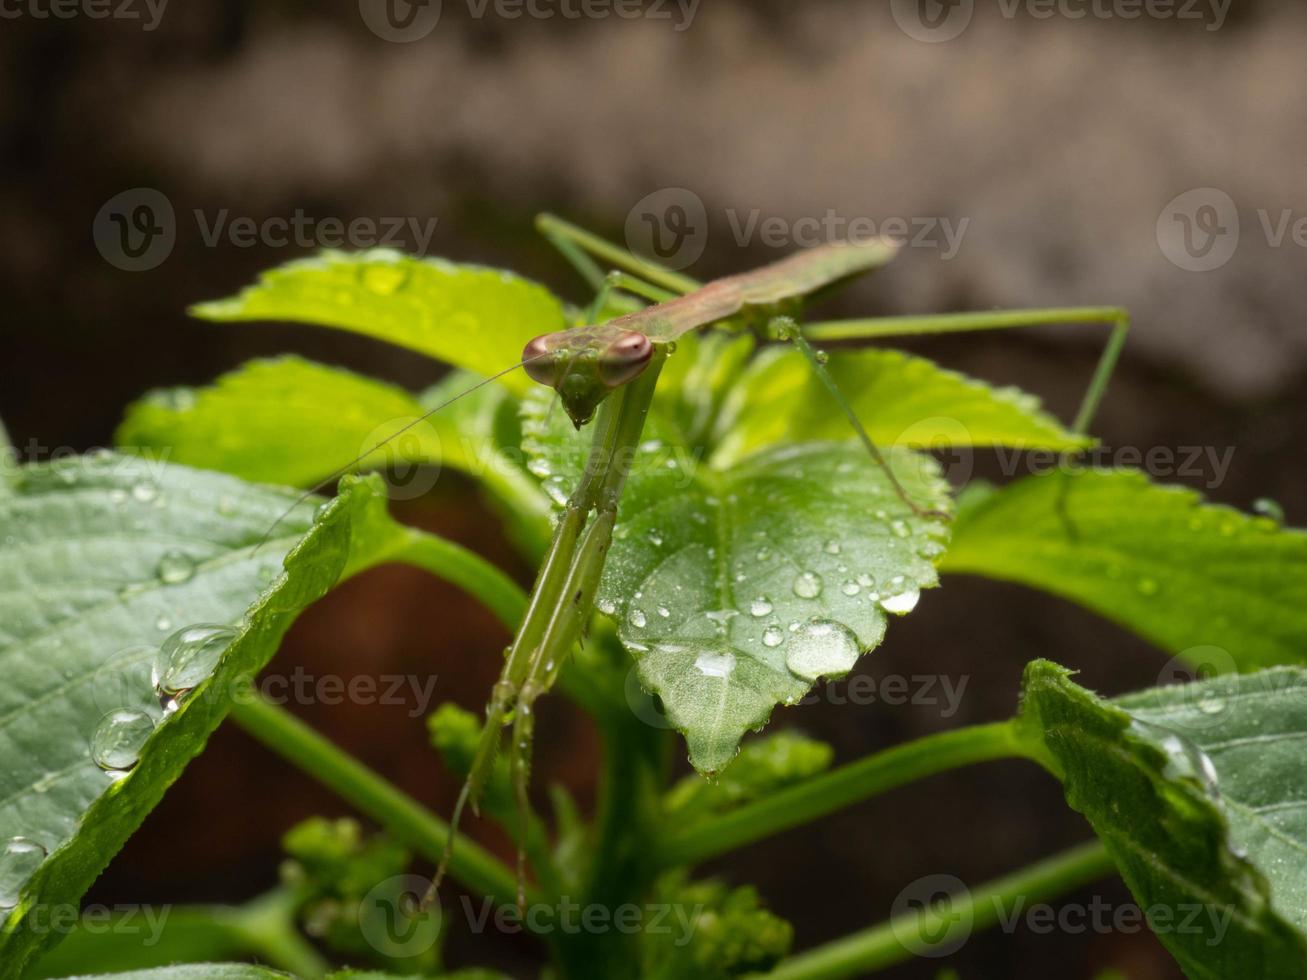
{"points": [[1061, 142]]}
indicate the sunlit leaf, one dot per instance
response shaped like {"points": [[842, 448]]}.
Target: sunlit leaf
{"points": [[900, 400], [1190, 576], [467, 315]]}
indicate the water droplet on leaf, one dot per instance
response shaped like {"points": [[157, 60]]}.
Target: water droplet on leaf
{"points": [[821, 649], [760, 606], [1269, 508], [807, 585], [772, 636], [637, 618], [145, 491], [188, 657], [176, 567], [117, 742], [715, 664], [19, 860], [901, 603]]}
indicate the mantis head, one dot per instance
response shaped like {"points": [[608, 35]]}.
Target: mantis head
{"points": [[585, 366]]}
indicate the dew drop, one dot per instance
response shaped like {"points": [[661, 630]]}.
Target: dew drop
{"points": [[176, 567], [807, 585], [637, 618], [821, 649], [144, 491], [901, 603], [715, 664], [664, 612], [19, 860], [772, 636], [606, 606], [866, 581], [1211, 705], [117, 742], [188, 657], [163, 623], [384, 279], [1269, 508], [850, 588], [655, 538], [760, 606], [832, 547], [899, 528], [722, 616]]}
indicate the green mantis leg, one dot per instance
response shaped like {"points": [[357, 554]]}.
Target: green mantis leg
{"points": [[561, 602], [787, 329], [557, 230], [900, 326]]}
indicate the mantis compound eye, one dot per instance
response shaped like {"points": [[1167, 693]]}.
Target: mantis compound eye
{"points": [[541, 363], [624, 358]]}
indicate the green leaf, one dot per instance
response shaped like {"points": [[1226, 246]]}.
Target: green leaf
{"points": [[193, 971], [105, 557], [1227, 588], [467, 315], [735, 588], [291, 421], [284, 420], [900, 399], [1196, 791], [143, 937]]}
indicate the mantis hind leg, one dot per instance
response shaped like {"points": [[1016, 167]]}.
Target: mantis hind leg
{"points": [[1115, 317], [788, 329], [908, 326]]}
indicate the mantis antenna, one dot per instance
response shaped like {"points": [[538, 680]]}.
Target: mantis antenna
{"points": [[337, 474]]}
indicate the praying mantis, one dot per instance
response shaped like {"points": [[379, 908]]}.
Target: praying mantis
{"points": [[605, 373]]}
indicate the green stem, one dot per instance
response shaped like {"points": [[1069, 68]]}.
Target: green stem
{"points": [[557, 228], [399, 813], [849, 784], [883, 945], [267, 926], [466, 569]]}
